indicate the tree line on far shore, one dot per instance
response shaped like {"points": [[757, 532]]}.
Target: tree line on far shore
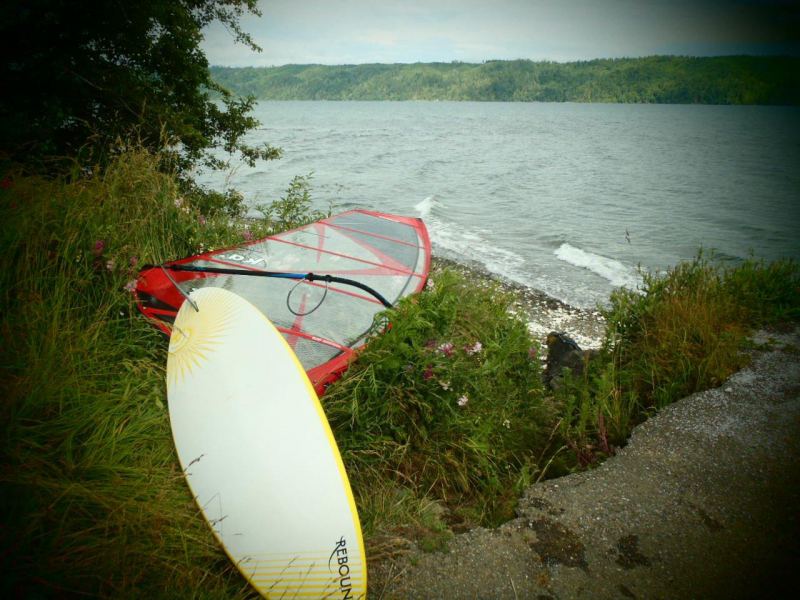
{"points": [[655, 79]]}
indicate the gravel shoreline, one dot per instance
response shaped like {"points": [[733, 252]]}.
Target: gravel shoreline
{"points": [[543, 313]]}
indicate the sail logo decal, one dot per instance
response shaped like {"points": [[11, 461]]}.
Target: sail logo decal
{"points": [[241, 258]]}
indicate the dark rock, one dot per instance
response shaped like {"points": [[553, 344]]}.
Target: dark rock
{"points": [[564, 353]]}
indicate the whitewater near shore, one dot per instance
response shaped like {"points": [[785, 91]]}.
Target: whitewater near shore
{"points": [[543, 313], [573, 276]]}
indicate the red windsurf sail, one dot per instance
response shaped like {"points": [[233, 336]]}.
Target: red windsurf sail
{"points": [[323, 322]]}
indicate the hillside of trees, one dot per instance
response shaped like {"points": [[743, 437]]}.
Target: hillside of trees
{"points": [[657, 79]]}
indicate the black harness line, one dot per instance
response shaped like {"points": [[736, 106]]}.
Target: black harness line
{"points": [[328, 279]]}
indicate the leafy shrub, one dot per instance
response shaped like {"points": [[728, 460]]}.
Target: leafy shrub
{"points": [[293, 209], [766, 293], [680, 335]]}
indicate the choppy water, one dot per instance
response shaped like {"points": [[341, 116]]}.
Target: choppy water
{"points": [[566, 198]]}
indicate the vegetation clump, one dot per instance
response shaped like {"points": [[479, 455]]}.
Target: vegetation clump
{"points": [[92, 495], [682, 332], [78, 76], [447, 405]]}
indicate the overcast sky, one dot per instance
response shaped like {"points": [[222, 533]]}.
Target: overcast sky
{"points": [[405, 31]]}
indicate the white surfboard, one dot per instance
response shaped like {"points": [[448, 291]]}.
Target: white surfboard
{"points": [[258, 452]]}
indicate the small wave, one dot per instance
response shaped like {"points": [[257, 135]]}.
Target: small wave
{"points": [[342, 206], [618, 274], [425, 207], [459, 243]]}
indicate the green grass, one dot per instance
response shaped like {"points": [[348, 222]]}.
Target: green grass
{"points": [[91, 492], [446, 407], [442, 421], [682, 334]]}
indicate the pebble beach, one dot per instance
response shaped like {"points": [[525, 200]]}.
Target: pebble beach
{"points": [[542, 312]]}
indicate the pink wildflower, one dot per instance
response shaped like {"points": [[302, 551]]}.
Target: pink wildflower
{"points": [[427, 373], [131, 285], [98, 247], [474, 349], [446, 349], [462, 401]]}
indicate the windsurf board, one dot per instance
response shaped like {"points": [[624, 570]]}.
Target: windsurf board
{"points": [[259, 454]]}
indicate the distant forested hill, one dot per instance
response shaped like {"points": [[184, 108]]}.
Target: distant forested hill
{"points": [[663, 79]]}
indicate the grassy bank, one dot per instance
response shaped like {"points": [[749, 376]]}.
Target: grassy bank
{"points": [[683, 332], [92, 496], [441, 422]]}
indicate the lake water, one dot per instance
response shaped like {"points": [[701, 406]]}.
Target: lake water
{"points": [[565, 198]]}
